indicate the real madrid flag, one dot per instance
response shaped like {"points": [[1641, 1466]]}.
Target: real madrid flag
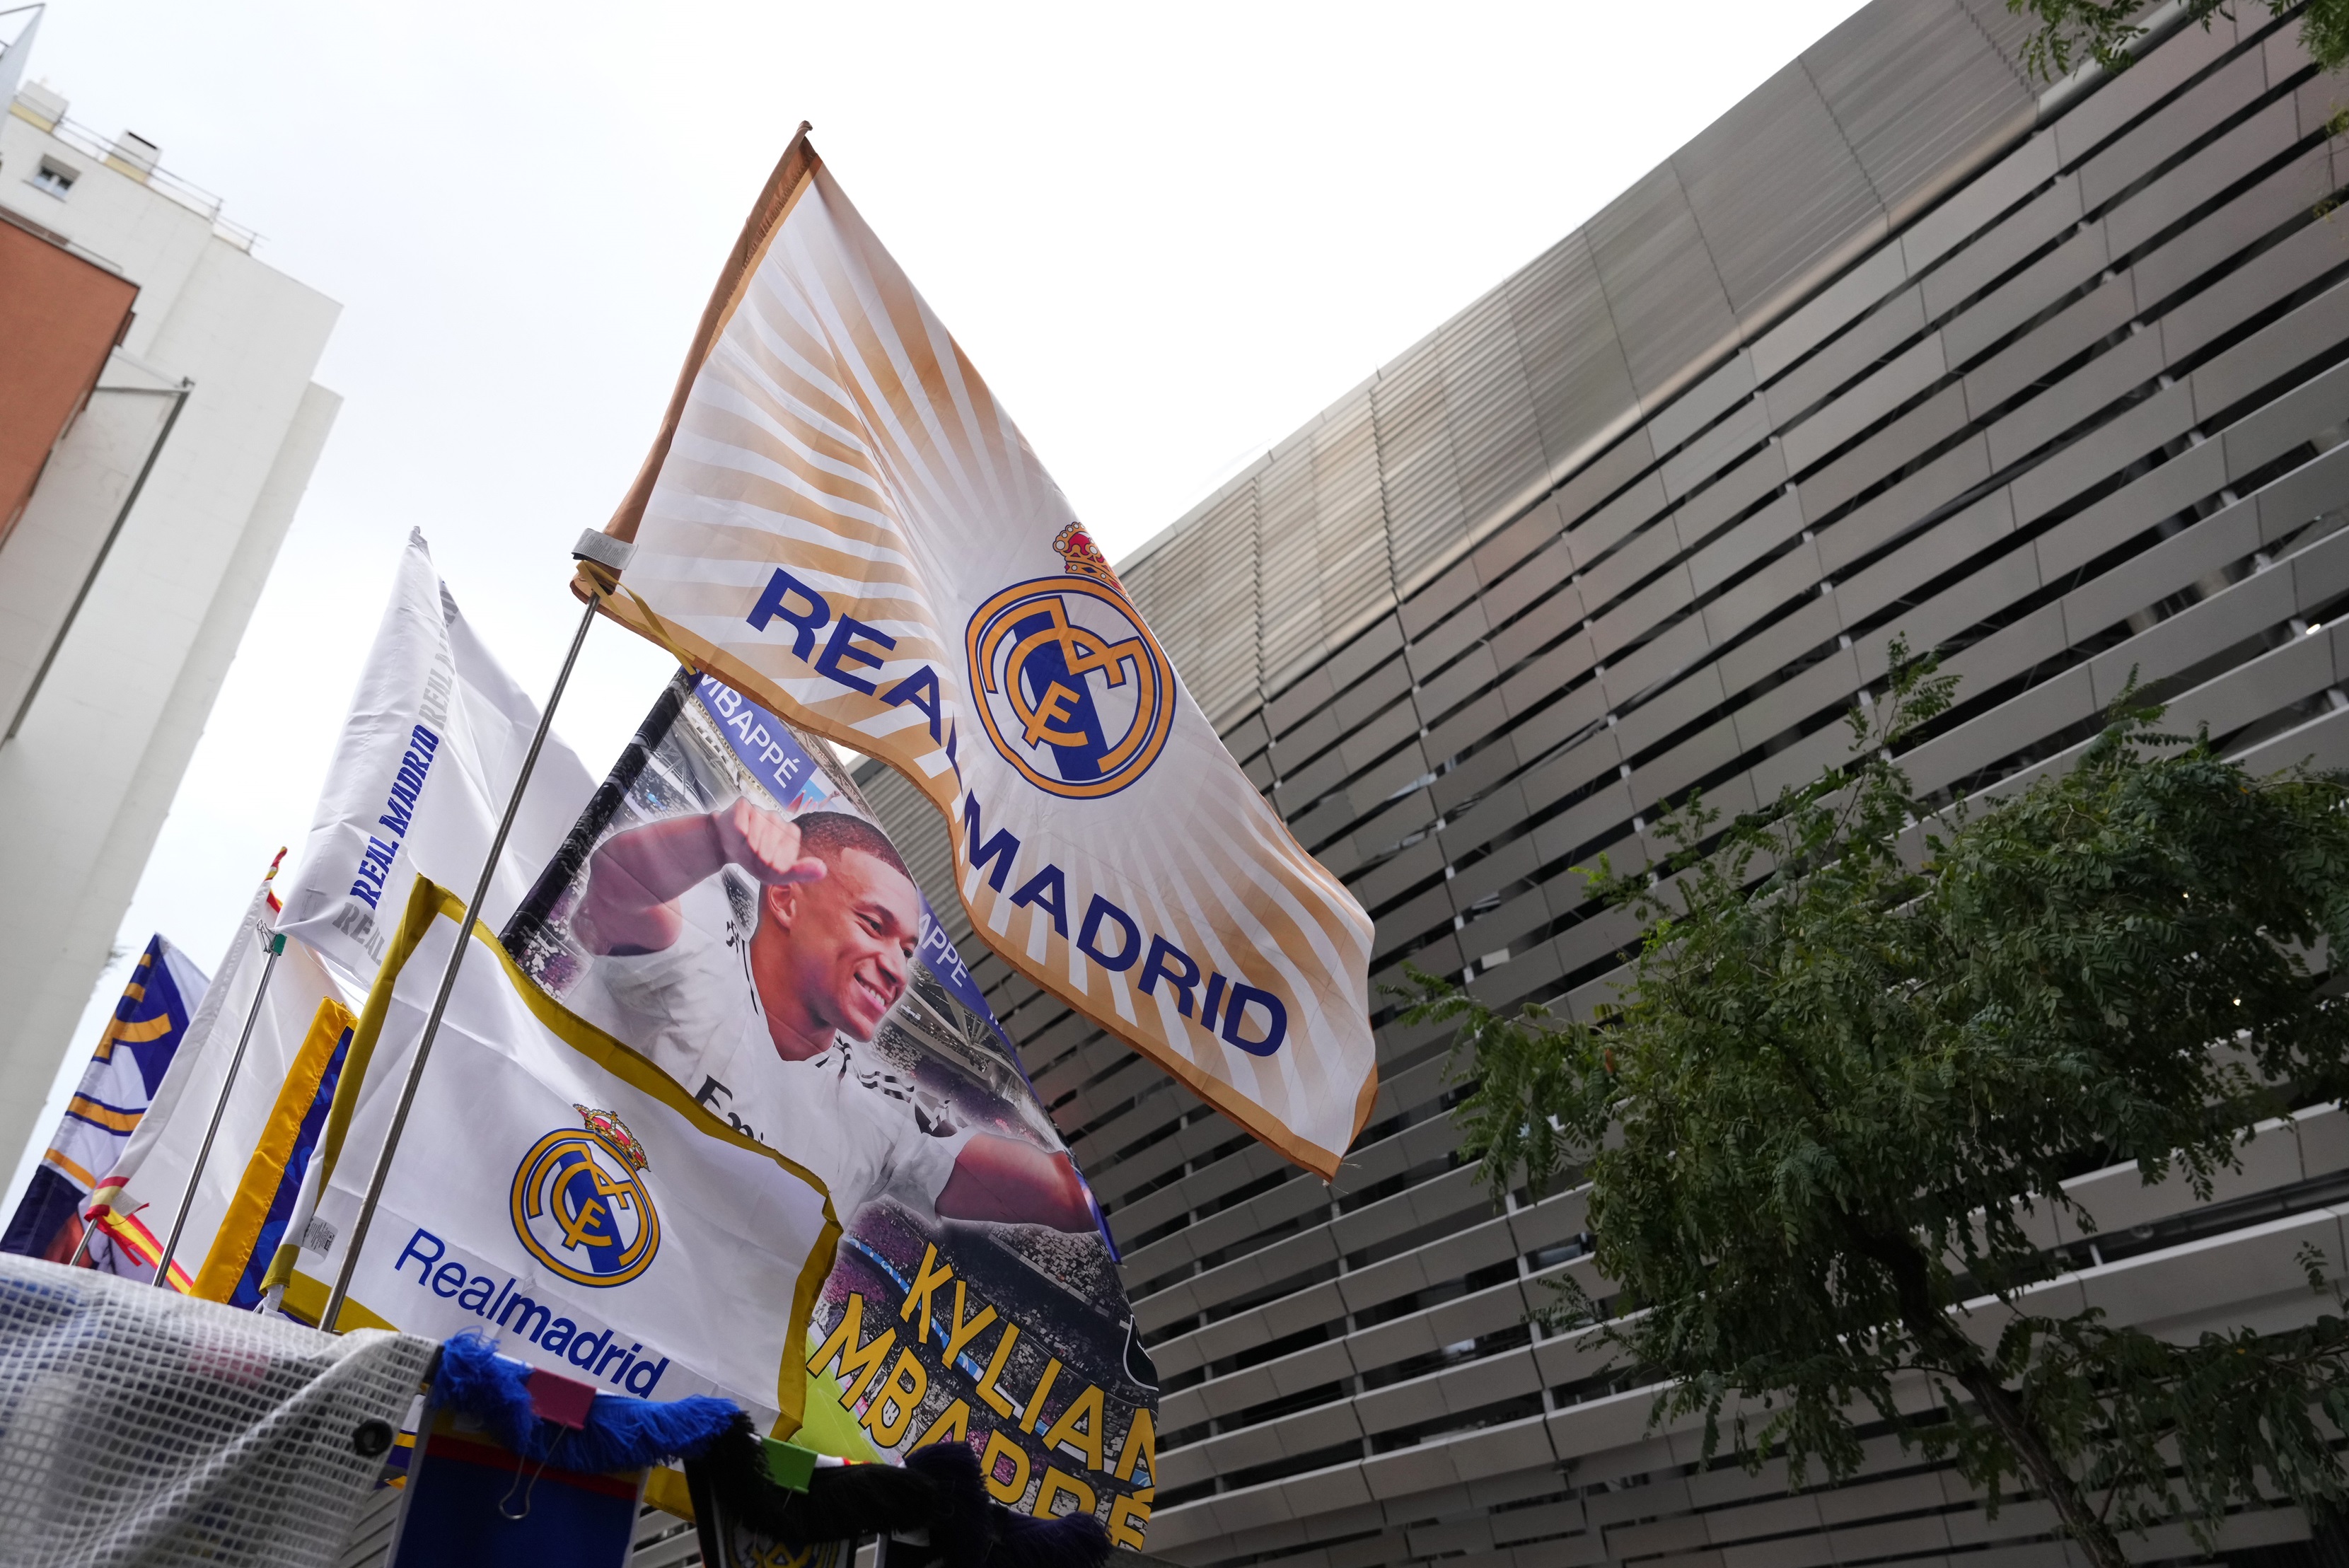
{"points": [[428, 755], [555, 1191], [143, 1033], [839, 518], [242, 1193]]}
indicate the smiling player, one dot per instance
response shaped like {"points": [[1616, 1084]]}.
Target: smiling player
{"points": [[766, 1029]]}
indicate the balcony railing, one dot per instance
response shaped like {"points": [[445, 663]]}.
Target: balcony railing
{"points": [[123, 160]]}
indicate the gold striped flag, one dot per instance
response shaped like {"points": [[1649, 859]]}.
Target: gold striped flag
{"points": [[250, 1234], [126, 1073], [839, 518]]}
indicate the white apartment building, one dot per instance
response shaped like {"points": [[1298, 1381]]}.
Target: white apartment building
{"points": [[129, 574]]}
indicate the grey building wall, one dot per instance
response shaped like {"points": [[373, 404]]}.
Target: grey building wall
{"points": [[2050, 381]]}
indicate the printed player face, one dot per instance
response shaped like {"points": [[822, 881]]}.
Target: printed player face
{"points": [[851, 941]]}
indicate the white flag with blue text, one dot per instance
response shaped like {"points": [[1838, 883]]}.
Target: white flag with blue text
{"points": [[839, 520], [556, 1191], [138, 1200], [428, 756]]}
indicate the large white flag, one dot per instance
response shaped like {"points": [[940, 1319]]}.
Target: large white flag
{"points": [[138, 1203], [555, 1189], [839, 518], [427, 760]]}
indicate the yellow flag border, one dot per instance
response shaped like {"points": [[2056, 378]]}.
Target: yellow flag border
{"points": [[427, 901], [264, 1172]]}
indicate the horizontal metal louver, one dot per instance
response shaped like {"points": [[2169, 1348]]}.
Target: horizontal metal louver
{"points": [[1350, 536], [1667, 301], [1350, 1385], [1495, 445], [1578, 381], [2007, 31], [1776, 191], [1289, 562], [1915, 88], [1420, 488]]}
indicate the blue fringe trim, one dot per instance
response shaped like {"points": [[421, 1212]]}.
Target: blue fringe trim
{"points": [[621, 1433]]}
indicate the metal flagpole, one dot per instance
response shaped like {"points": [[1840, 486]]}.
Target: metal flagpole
{"points": [[598, 549], [220, 1108]]}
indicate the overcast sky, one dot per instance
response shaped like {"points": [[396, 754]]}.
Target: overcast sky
{"points": [[1166, 235]]}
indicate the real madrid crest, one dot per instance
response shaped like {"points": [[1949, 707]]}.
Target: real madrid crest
{"points": [[1071, 688], [580, 1204]]}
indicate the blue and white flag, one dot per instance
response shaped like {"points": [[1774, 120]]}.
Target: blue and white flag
{"points": [[139, 1196], [428, 756], [123, 1076], [555, 1191]]}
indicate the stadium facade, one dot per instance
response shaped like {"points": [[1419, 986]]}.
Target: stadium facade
{"points": [[1906, 344]]}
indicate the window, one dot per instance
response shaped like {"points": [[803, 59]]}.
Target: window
{"points": [[57, 179]]}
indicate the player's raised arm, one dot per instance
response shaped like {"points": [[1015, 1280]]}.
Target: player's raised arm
{"points": [[635, 878], [1009, 1181]]}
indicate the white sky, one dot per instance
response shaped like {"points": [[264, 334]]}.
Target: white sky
{"points": [[1167, 236]]}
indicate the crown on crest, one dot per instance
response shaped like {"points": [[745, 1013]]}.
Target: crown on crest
{"points": [[1084, 557], [615, 1131]]}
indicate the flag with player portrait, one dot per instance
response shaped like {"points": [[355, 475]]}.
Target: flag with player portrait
{"points": [[838, 519], [729, 908], [553, 1189]]}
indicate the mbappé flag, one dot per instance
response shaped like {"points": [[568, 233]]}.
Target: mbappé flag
{"points": [[839, 520], [974, 1296]]}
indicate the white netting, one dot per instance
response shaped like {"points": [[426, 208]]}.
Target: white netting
{"points": [[139, 1427]]}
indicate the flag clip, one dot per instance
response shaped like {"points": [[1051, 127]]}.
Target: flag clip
{"points": [[560, 1399], [789, 1465], [603, 550]]}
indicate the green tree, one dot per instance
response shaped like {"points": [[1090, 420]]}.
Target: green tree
{"points": [[1854, 1056], [2072, 32]]}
